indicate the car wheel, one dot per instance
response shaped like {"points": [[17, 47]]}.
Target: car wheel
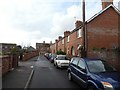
{"points": [[91, 88], [69, 76], [56, 65]]}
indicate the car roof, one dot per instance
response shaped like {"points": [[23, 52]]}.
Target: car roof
{"points": [[89, 59]]}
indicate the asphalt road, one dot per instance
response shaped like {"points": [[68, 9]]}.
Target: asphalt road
{"points": [[47, 76]]}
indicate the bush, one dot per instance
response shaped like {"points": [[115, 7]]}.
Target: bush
{"points": [[60, 52]]}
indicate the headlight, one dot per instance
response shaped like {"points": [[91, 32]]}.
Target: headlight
{"points": [[59, 63], [107, 86]]}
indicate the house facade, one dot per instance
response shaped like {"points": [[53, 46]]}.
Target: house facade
{"points": [[103, 30], [102, 38], [6, 48], [70, 43], [43, 48]]}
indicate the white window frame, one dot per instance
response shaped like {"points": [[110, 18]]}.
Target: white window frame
{"points": [[68, 38], [62, 41], [79, 33]]}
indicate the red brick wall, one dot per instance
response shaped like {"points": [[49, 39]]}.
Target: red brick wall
{"points": [[60, 45], [27, 56], [111, 57], [103, 31], [6, 64], [74, 41], [52, 48]]}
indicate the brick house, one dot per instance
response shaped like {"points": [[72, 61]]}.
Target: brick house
{"points": [[103, 30], [103, 24], [8, 56], [43, 47], [6, 48], [102, 36], [70, 43]]}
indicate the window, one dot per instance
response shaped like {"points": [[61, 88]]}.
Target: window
{"points": [[62, 58], [75, 61], [63, 41], [81, 64], [68, 38], [79, 33]]}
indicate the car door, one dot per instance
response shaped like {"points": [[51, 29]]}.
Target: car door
{"points": [[82, 72], [73, 66]]}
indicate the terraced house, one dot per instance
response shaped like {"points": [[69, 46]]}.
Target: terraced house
{"points": [[102, 38]]}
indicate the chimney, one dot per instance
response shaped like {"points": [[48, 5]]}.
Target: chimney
{"points": [[106, 3], [56, 41], [50, 42], [44, 42], [78, 24], [66, 33], [119, 5], [59, 38]]}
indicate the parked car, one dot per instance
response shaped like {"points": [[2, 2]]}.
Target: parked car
{"points": [[46, 55], [93, 74], [53, 56], [61, 61]]}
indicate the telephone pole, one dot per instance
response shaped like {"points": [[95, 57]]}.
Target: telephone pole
{"points": [[84, 31]]}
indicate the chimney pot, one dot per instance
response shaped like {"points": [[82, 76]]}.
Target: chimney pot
{"points": [[66, 33], [78, 24], [106, 3], [60, 37], [43, 41]]}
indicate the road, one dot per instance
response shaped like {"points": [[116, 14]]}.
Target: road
{"points": [[47, 76]]}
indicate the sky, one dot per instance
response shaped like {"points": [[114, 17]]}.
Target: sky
{"points": [[27, 22]]}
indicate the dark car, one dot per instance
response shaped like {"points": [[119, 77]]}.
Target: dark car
{"points": [[46, 55], [94, 74], [52, 57]]}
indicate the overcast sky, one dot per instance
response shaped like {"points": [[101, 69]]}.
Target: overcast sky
{"points": [[26, 22]]}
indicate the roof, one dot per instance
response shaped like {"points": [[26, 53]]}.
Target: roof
{"points": [[31, 48], [111, 5], [8, 43]]}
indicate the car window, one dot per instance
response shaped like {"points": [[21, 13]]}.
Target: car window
{"points": [[75, 61], [99, 66], [81, 64], [62, 58]]}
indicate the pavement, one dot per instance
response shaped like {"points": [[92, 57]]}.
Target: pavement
{"points": [[20, 76]]}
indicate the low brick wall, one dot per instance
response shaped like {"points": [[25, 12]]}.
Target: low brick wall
{"points": [[6, 63], [111, 57], [27, 56]]}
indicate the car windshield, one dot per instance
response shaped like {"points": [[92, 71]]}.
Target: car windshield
{"points": [[97, 66], [62, 58]]}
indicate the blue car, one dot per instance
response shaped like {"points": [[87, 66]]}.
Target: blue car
{"points": [[93, 74]]}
